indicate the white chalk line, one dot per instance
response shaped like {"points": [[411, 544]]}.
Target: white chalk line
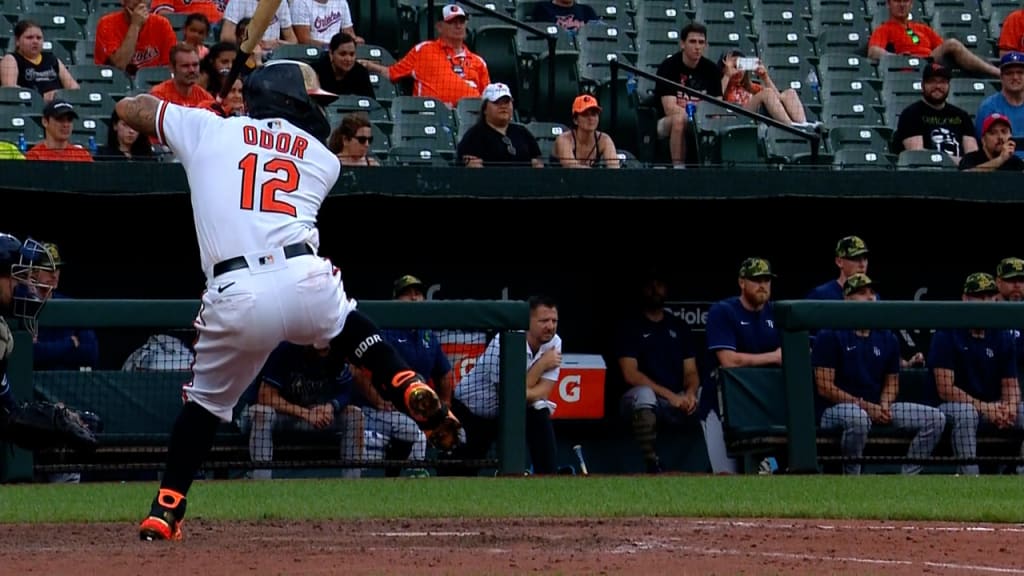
{"points": [[859, 528], [645, 545], [424, 534]]}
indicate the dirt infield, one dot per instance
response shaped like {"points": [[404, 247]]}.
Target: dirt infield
{"points": [[559, 546]]}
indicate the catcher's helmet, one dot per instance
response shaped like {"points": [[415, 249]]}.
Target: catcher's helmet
{"points": [[22, 262], [289, 89]]}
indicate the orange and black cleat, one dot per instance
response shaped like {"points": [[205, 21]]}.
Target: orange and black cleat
{"points": [[165, 517], [425, 407]]}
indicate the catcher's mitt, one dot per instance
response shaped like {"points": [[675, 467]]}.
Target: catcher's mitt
{"points": [[37, 425]]}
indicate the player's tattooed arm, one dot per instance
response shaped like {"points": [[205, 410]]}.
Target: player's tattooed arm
{"points": [[139, 112]]}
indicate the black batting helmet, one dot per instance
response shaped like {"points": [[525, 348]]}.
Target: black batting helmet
{"points": [[289, 89]]}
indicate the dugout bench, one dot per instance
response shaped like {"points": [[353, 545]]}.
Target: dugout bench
{"points": [[754, 422]]}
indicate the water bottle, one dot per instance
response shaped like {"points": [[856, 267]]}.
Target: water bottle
{"points": [[92, 145], [631, 84], [691, 109], [812, 81], [22, 145]]}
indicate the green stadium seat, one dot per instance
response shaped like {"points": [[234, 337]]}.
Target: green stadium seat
{"points": [[856, 138], [860, 159], [300, 52], [104, 78], [924, 160], [21, 99], [89, 102], [14, 123], [408, 155]]}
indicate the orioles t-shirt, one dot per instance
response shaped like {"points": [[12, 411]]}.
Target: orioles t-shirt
{"points": [[153, 48], [705, 77]]}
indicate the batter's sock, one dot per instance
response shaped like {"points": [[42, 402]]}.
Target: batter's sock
{"points": [[362, 345], [645, 431], [191, 439]]}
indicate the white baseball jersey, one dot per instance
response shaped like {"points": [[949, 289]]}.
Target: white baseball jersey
{"points": [[325, 19], [256, 184], [236, 10], [478, 389]]}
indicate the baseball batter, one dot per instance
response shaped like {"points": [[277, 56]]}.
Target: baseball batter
{"points": [[257, 183]]}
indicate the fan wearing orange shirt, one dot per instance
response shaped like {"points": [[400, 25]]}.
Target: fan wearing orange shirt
{"points": [[209, 8], [133, 38], [444, 68], [183, 88], [58, 121], [899, 35]]}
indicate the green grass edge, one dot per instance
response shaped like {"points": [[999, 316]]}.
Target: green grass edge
{"points": [[934, 498]]}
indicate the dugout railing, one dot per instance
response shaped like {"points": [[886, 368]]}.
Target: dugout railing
{"points": [[796, 319], [138, 406]]}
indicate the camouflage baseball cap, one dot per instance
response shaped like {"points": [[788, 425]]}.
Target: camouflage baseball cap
{"points": [[756, 268], [406, 282], [1010, 268], [855, 283], [851, 247], [980, 283]]}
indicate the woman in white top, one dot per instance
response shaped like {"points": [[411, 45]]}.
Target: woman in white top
{"points": [[351, 141]]}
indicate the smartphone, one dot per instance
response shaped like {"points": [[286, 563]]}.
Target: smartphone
{"points": [[747, 64]]}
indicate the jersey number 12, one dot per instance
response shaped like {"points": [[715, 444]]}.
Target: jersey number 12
{"points": [[268, 201]]}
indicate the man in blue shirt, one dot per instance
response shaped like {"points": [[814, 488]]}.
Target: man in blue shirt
{"points": [[975, 374], [301, 388], [856, 375], [851, 258], [740, 332], [1010, 100]]}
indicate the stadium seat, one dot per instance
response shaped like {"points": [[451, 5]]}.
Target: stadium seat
{"points": [[20, 99], [105, 78], [89, 102], [348, 103], [300, 52], [859, 159], [13, 124], [416, 156], [924, 160], [856, 138]]}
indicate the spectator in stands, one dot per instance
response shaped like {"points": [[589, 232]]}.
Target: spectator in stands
{"points": [[301, 388], [658, 361], [351, 141], [931, 123], [234, 102], [316, 22], [495, 140], [763, 97], [57, 348], [9, 151], [584, 146], [975, 375], [567, 14], [58, 123], [123, 143], [443, 68], [214, 66], [421, 349], [1008, 102], [29, 67], [278, 32], [210, 9], [901, 35], [691, 69], [1011, 36], [475, 401], [997, 148], [183, 87], [338, 71], [856, 375], [196, 29], [132, 38]]}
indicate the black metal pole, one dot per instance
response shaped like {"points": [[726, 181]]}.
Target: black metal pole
{"points": [[613, 66], [430, 19]]}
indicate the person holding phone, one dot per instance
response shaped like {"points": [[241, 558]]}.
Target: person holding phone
{"points": [[761, 97]]}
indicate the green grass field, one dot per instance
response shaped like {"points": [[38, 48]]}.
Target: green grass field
{"points": [[985, 499]]}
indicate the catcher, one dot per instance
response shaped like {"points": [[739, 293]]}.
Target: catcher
{"points": [[35, 424]]}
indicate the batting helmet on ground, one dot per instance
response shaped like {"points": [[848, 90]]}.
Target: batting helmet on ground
{"points": [[291, 90]]}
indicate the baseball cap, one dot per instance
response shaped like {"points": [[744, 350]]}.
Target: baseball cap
{"points": [[851, 247], [1010, 268], [1011, 59], [452, 11], [756, 268], [584, 102], [980, 283], [856, 282], [936, 70], [495, 92], [406, 282], [54, 254], [58, 107], [992, 119]]}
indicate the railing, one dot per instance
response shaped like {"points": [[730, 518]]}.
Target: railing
{"points": [[812, 137]]}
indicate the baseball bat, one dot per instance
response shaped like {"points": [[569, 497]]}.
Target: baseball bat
{"points": [[258, 24], [579, 456]]}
